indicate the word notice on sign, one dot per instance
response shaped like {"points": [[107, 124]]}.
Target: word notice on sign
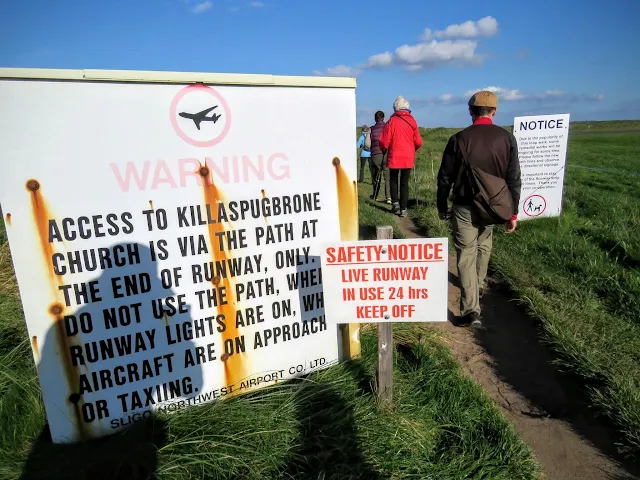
{"points": [[386, 281], [168, 254], [542, 149]]}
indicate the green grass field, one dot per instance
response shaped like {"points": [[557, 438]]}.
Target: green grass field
{"points": [[327, 426], [605, 126], [599, 127], [578, 274]]}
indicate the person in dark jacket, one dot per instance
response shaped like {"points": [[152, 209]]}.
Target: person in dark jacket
{"points": [[495, 151], [401, 140], [378, 160]]}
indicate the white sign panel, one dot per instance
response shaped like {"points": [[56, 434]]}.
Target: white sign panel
{"points": [[386, 281], [542, 149], [167, 238]]}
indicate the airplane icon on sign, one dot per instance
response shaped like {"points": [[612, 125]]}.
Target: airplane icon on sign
{"points": [[201, 116]]}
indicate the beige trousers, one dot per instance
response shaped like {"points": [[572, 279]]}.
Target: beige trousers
{"points": [[473, 242]]}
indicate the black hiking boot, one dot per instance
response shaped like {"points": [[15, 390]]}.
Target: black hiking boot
{"points": [[473, 319]]}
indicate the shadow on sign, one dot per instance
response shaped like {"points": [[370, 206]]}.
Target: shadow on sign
{"points": [[109, 361]]}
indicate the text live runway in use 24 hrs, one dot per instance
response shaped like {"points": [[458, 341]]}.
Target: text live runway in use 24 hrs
{"points": [[399, 273]]}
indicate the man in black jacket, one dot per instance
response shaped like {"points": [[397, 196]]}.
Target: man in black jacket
{"points": [[494, 150]]}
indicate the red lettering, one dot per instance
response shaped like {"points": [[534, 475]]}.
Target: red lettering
{"points": [[226, 170], [131, 171], [371, 311], [162, 175], [359, 254], [188, 167]]}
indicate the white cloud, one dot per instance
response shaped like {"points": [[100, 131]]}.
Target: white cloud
{"points": [[485, 27], [338, 71], [256, 4], [435, 53], [452, 45], [446, 98], [380, 60], [503, 93], [514, 95], [202, 7], [509, 95]]}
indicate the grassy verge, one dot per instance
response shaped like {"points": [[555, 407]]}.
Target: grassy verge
{"points": [[605, 125], [325, 426], [578, 273], [372, 214]]}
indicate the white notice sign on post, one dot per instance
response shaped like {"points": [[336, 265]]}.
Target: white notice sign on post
{"points": [[542, 148], [386, 280], [166, 235]]}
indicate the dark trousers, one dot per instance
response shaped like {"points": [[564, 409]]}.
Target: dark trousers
{"points": [[378, 163], [363, 163], [403, 175]]}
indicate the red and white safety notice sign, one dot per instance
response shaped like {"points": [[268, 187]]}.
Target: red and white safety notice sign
{"points": [[386, 280]]}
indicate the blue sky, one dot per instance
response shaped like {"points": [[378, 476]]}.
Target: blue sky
{"points": [[541, 57]]}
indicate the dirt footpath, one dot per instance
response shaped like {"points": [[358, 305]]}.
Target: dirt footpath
{"points": [[549, 411]]}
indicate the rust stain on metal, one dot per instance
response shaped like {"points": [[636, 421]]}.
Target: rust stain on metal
{"points": [[216, 280], [8, 219], [264, 195], [204, 171], [35, 348], [347, 203], [224, 357], [41, 217], [151, 204], [71, 373], [234, 367], [33, 185]]}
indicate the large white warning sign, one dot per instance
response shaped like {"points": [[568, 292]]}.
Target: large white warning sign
{"points": [[167, 235], [386, 280], [542, 149]]}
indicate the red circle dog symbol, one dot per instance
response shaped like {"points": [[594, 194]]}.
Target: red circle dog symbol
{"points": [[200, 116], [534, 205]]}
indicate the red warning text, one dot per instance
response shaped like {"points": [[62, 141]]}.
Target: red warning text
{"points": [[391, 253], [372, 312]]}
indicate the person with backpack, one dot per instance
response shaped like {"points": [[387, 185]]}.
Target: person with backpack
{"points": [[481, 164], [378, 162], [364, 143], [400, 140]]}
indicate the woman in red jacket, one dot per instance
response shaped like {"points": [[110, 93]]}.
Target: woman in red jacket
{"points": [[400, 139]]}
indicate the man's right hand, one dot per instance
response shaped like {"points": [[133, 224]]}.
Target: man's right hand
{"points": [[446, 215], [510, 226]]}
